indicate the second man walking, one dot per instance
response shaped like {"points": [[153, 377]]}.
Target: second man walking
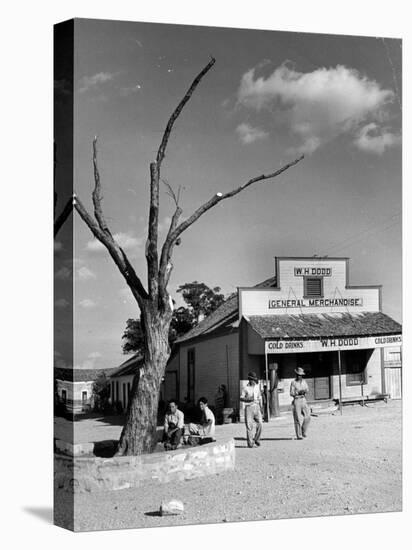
{"points": [[252, 398]]}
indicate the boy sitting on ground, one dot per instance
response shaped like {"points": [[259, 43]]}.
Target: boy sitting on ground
{"points": [[173, 427], [202, 433]]}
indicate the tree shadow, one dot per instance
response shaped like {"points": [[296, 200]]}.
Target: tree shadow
{"points": [[106, 448], [44, 513], [266, 439]]}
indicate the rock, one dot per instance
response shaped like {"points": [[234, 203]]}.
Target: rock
{"points": [[171, 508]]}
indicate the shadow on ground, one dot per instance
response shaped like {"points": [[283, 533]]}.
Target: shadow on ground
{"points": [[267, 438], [106, 448], [44, 513], [117, 420]]}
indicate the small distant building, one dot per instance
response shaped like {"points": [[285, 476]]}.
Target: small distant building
{"points": [[121, 381], [74, 388], [307, 315]]}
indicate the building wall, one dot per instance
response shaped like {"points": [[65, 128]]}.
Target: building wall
{"points": [[170, 388], [392, 357], [74, 390], [373, 375], [74, 394], [216, 362], [255, 301], [119, 389]]}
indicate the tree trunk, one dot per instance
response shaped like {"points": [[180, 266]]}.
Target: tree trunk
{"points": [[139, 433]]}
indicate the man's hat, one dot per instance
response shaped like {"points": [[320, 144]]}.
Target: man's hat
{"points": [[252, 376], [300, 371]]}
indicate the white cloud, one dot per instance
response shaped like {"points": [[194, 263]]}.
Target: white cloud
{"points": [[94, 355], [90, 362], [249, 134], [126, 240], [87, 303], [88, 82], [376, 140], [84, 274], [316, 106], [63, 273], [61, 303]]}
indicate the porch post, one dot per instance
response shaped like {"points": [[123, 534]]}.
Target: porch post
{"points": [[340, 381], [267, 385]]}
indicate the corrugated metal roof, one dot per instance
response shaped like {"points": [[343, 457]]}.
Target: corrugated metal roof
{"points": [[130, 366], [322, 325]]}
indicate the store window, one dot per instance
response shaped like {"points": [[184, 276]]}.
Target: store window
{"points": [[313, 287], [356, 376]]}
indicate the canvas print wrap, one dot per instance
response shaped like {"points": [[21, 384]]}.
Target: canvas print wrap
{"points": [[228, 324]]}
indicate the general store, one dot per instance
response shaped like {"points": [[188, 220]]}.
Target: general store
{"points": [[306, 315]]}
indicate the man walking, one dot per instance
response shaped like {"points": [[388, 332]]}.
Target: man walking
{"points": [[252, 398], [301, 410], [173, 427]]}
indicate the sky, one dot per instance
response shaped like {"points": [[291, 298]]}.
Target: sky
{"points": [[270, 97]]}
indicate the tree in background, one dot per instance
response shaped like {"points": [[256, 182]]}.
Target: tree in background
{"points": [[154, 301], [101, 393], [201, 299], [133, 337]]}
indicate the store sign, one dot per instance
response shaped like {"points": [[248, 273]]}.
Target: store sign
{"points": [[332, 344], [315, 302], [313, 271]]}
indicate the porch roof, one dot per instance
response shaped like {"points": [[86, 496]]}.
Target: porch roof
{"points": [[130, 366], [323, 325]]}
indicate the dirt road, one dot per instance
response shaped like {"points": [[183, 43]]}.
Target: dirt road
{"points": [[349, 464]]}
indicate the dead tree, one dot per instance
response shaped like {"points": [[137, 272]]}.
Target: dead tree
{"points": [[155, 304], [68, 207]]}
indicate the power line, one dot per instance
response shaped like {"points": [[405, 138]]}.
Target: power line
{"points": [[370, 231]]}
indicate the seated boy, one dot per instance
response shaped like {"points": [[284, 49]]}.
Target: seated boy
{"points": [[173, 427], [204, 432]]}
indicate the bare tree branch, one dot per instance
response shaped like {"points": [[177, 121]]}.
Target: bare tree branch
{"points": [[170, 191], [64, 214], [115, 251], [97, 192], [152, 238], [166, 265], [222, 196], [178, 110]]}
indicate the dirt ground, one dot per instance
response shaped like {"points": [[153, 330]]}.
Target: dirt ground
{"points": [[349, 464]]}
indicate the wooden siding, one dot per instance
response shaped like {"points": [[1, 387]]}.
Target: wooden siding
{"points": [[216, 362]]}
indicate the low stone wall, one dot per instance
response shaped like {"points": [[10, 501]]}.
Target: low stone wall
{"points": [[91, 474], [71, 449]]}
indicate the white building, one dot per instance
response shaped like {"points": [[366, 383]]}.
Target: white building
{"points": [[307, 315], [74, 388], [121, 381]]}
